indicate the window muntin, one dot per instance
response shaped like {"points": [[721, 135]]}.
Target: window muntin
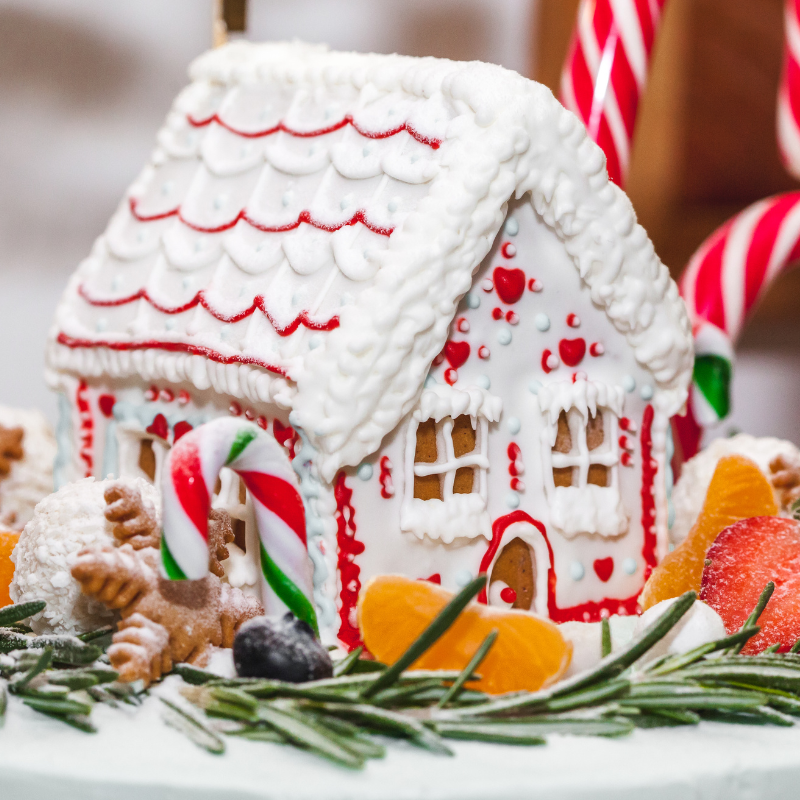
{"points": [[446, 456]]}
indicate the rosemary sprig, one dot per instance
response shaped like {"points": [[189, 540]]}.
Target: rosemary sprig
{"points": [[474, 663], [756, 612]]}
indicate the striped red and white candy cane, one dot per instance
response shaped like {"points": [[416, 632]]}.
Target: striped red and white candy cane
{"points": [[191, 471], [725, 279], [789, 91], [606, 71]]}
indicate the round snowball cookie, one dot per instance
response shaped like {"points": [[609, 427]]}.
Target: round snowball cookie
{"points": [[696, 473], [30, 476], [62, 525]]}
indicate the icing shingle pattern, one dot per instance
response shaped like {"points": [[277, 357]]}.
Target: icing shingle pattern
{"points": [[309, 221]]}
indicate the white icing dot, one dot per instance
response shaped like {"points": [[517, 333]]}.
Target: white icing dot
{"points": [[366, 151], [346, 201], [504, 336], [646, 392], [463, 325], [116, 283], [512, 226], [534, 386], [167, 187], [552, 361], [141, 236], [484, 352], [430, 381], [514, 425], [220, 200], [473, 301], [535, 286], [462, 577], [244, 151], [542, 322], [187, 282], [392, 206], [286, 199], [512, 500], [364, 472], [314, 342], [628, 383], [487, 284], [483, 381], [629, 566], [296, 298], [576, 571], [347, 299], [170, 324], [101, 324]]}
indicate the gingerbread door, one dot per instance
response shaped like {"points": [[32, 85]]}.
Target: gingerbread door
{"points": [[516, 568]]}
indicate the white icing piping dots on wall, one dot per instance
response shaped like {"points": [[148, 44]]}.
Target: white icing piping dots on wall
{"points": [[191, 470]]}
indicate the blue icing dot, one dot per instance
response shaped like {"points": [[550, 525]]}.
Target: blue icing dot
{"points": [[628, 383], [534, 386], [514, 425], [430, 381], [512, 226], [576, 571], [512, 500], [646, 392], [365, 472], [542, 322], [462, 577], [483, 381], [473, 301], [504, 336], [629, 565]]}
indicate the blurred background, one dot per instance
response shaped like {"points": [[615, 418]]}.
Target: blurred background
{"points": [[85, 84]]}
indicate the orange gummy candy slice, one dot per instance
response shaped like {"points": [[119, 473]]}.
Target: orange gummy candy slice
{"points": [[8, 541], [738, 490], [529, 651]]}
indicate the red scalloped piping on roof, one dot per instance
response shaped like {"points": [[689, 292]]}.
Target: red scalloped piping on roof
{"points": [[304, 216], [199, 299], [430, 141], [171, 347]]}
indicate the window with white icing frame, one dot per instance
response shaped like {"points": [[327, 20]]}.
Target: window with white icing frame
{"points": [[445, 477], [141, 454], [580, 454]]}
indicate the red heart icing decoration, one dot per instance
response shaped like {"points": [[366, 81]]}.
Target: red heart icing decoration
{"points": [[181, 429], [159, 426], [106, 404], [604, 567], [510, 284], [572, 351], [456, 353]]}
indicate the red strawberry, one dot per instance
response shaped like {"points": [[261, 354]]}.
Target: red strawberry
{"points": [[744, 558]]}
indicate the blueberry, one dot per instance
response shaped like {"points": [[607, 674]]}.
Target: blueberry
{"points": [[281, 649]]}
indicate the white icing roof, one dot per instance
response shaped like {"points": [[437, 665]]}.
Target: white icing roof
{"points": [[309, 221]]}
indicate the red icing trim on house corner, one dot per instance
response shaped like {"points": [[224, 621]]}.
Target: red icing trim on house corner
{"points": [[649, 470], [349, 571], [86, 437]]}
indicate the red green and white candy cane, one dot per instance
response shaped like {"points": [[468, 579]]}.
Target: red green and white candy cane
{"points": [[191, 471], [724, 280]]}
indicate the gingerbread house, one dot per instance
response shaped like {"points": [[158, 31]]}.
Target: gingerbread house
{"points": [[416, 275]]}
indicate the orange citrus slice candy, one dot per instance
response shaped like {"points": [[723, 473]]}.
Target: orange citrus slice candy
{"points": [[529, 652], [738, 490], [8, 541]]}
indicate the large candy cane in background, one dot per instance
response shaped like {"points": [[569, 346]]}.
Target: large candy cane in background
{"points": [[606, 71], [789, 92], [190, 473], [725, 279]]}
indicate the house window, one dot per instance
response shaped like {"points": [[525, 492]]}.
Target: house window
{"points": [[446, 463], [446, 456], [581, 457], [580, 446]]}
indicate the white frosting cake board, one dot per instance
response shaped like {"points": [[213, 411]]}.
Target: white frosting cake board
{"points": [[41, 759]]}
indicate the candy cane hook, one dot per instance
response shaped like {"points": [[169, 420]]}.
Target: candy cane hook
{"points": [[190, 473]]}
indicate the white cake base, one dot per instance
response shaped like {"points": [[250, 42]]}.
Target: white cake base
{"points": [[145, 760]]}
